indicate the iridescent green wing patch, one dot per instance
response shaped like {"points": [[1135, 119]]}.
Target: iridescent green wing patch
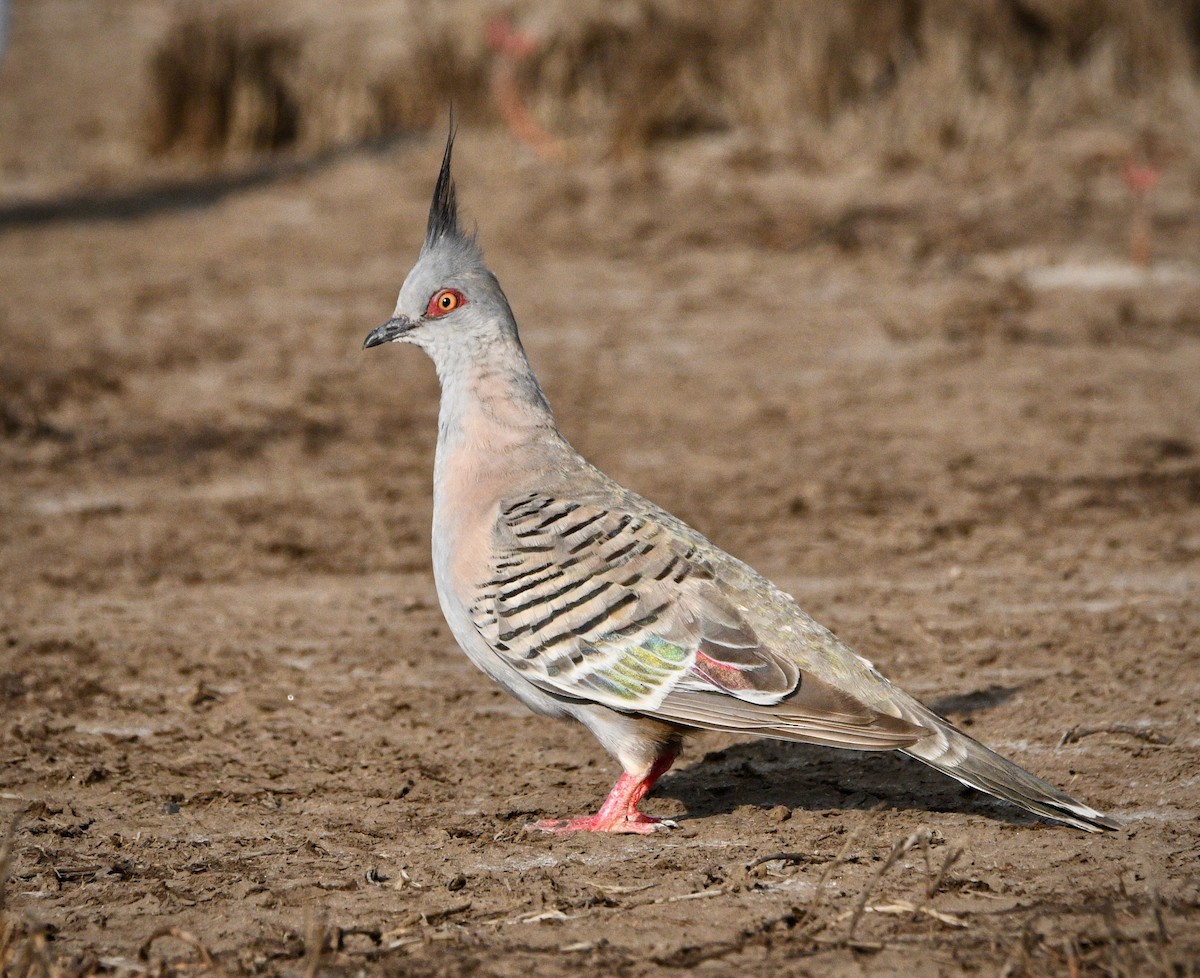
{"points": [[637, 672]]}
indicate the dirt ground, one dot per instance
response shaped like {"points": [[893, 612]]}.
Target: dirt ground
{"points": [[936, 404]]}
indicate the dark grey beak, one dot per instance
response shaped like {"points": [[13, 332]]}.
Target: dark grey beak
{"points": [[392, 330]]}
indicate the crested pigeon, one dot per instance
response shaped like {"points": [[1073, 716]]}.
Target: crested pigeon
{"points": [[586, 601]]}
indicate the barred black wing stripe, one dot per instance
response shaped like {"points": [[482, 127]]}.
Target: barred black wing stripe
{"points": [[502, 581], [534, 627], [617, 530], [588, 626], [618, 554], [518, 503], [540, 599], [585, 543], [635, 626], [536, 582], [548, 521], [551, 520], [585, 524], [666, 571], [526, 509]]}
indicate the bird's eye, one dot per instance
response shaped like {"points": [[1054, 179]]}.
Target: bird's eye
{"points": [[444, 301]]}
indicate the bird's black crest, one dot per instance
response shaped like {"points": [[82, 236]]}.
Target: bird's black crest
{"points": [[443, 212]]}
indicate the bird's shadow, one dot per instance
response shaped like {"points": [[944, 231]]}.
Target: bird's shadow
{"points": [[768, 773], [965, 704]]}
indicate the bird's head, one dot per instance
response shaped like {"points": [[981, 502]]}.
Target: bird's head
{"points": [[449, 302]]}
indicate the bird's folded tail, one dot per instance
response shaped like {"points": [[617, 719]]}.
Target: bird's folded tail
{"points": [[953, 752]]}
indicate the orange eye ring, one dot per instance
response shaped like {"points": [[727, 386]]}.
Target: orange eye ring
{"points": [[445, 301]]}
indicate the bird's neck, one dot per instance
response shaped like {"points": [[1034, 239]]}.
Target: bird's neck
{"points": [[494, 419]]}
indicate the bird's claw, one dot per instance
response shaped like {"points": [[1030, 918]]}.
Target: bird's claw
{"points": [[634, 823]]}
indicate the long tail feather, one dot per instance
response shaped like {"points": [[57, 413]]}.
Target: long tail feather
{"points": [[953, 752]]}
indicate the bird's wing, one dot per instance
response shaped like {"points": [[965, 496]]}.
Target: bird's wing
{"points": [[610, 606]]}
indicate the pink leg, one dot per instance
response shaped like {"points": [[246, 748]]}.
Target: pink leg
{"points": [[619, 812]]}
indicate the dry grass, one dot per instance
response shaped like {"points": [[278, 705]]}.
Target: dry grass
{"points": [[246, 78], [911, 80], [219, 81]]}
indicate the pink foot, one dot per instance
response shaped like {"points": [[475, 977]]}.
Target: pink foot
{"points": [[619, 812], [635, 822]]}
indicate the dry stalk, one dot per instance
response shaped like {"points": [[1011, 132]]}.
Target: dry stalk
{"points": [[810, 924], [314, 945], [899, 849], [934, 883]]}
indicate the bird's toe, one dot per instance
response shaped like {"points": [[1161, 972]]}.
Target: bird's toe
{"points": [[633, 824]]}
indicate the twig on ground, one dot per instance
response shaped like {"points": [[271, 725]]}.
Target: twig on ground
{"points": [[613, 889], [435, 917], [537, 918], [1148, 734], [777, 857], [206, 958], [897, 907], [698, 895]]}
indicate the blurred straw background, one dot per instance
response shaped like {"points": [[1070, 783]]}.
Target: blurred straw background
{"points": [[907, 81]]}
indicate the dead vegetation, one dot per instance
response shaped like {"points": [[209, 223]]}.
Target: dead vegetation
{"points": [[219, 82], [234, 79], [908, 80]]}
